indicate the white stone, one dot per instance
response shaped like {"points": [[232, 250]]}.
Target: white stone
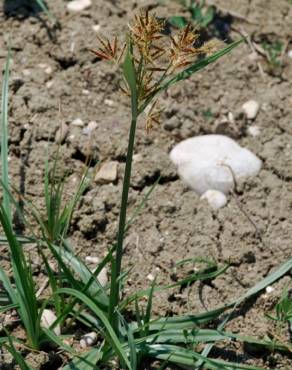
{"points": [[92, 259], [95, 27], [49, 84], [150, 277], [78, 5], [290, 54], [102, 276], [88, 340], [251, 109], [49, 70], [215, 198], [47, 319], [269, 289], [78, 122], [109, 102], [254, 131], [89, 128], [209, 162], [107, 173]]}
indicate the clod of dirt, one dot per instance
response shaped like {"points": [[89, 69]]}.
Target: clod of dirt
{"points": [[213, 162], [251, 109], [215, 198], [47, 319], [108, 173], [88, 340], [78, 5]]}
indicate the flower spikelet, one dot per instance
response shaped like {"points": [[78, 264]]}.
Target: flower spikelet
{"points": [[145, 32], [182, 49]]}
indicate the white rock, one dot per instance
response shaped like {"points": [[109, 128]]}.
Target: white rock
{"points": [[290, 54], [109, 102], [49, 84], [215, 198], [269, 289], [251, 109], [95, 27], [150, 277], [92, 259], [47, 319], [78, 5], [209, 162], [88, 340], [254, 131], [78, 122], [107, 173], [102, 276], [89, 128]]}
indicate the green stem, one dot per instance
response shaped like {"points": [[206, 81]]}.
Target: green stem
{"points": [[117, 262]]}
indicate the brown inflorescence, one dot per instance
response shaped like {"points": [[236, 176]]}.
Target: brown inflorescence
{"points": [[156, 56]]}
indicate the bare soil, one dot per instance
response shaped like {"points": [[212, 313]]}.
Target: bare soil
{"points": [[52, 68]]}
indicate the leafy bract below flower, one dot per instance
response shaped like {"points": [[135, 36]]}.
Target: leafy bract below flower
{"points": [[156, 57]]}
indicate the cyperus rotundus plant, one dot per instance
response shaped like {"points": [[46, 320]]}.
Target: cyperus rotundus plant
{"points": [[151, 62]]}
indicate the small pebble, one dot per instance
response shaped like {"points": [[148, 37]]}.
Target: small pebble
{"points": [[290, 54], [92, 259], [254, 131], [215, 198], [78, 122], [109, 102], [49, 84], [90, 128], [78, 5], [269, 289], [150, 277], [96, 27], [251, 109], [47, 319], [102, 276], [85, 92], [107, 173], [88, 340], [61, 133], [49, 70]]}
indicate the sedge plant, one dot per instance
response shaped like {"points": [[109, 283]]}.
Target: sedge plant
{"points": [[151, 62]]}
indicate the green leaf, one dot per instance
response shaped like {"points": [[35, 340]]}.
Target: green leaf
{"points": [[110, 334], [177, 21], [16, 355], [185, 357], [86, 361], [185, 74], [4, 137], [45, 9], [129, 73]]}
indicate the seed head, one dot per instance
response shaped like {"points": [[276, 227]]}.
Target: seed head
{"points": [[145, 32]]}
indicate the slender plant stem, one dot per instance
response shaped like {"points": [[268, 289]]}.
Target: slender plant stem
{"points": [[117, 262]]}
